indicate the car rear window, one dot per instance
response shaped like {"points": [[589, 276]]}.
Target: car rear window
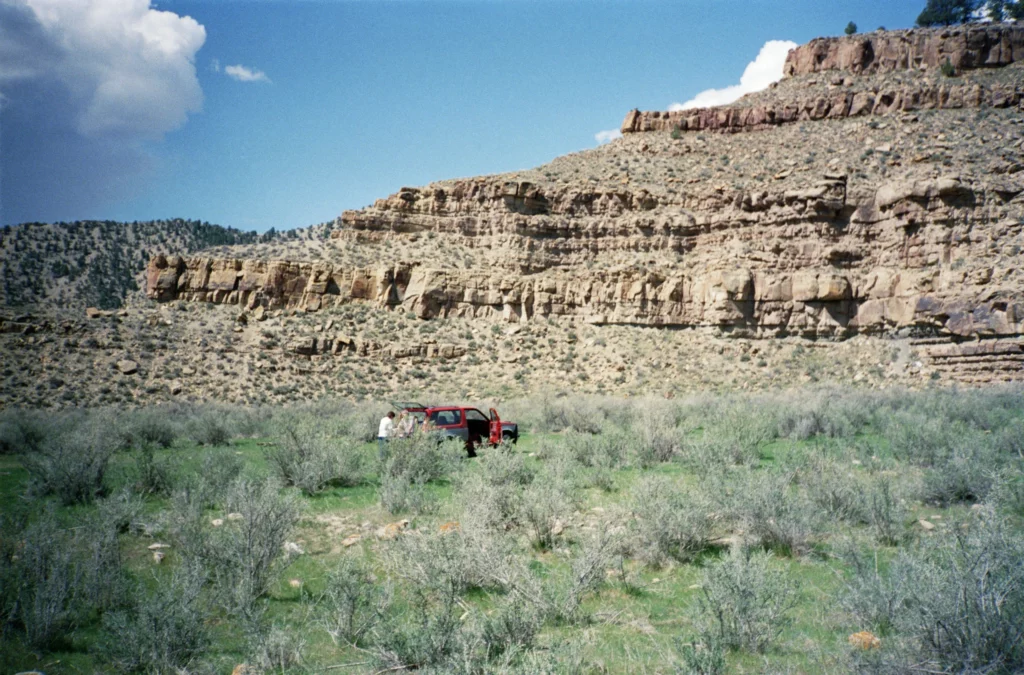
{"points": [[444, 418]]}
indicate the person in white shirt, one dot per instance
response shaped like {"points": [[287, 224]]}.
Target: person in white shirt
{"points": [[385, 431]]}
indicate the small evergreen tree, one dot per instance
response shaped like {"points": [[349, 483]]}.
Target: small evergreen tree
{"points": [[947, 12], [851, 28]]}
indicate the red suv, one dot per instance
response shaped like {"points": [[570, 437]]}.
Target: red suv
{"points": [[469, 424]]}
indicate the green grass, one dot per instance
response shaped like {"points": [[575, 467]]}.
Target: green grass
{"points": [[632, 623]]}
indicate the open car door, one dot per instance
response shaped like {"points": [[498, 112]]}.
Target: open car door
{"points": [[495, 427]]}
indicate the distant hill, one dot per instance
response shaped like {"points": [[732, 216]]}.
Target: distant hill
{"points": [[96, 262]]}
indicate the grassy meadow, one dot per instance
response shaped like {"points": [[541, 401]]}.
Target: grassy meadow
{"points": [[809, 531]]}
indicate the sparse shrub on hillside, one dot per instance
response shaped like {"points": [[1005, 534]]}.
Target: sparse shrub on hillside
{"points": [[886, 512], [598, 552], [154, 426], [40, 580], [72, 462], [511, 629], [669, 523], [353, 603], [957, 601], [744, 602], [703, 656], [22, 431], [602, 454], [919, 439], [827, 412], [243, 555], [656, 437], [549, 500], [274, 648], [1007, 493], [836, 491], [209, 427], [965, 475], [492, 496], [311, 457], [162, 631], [152, 474], [408, 464], [773, 512]]}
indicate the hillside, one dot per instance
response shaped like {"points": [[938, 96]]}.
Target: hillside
{"points": [[861, 221], [94, 263]]}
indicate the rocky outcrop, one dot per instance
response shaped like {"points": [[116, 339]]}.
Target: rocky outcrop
{"points": [[827, 265], [964, 47], [879, 100], [907, 225]]}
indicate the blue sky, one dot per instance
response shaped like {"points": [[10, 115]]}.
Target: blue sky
{"points": [[356, 98]]}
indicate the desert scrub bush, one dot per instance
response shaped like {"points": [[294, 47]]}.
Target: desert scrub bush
{"points": [[872, 598], [207, 488], [243, 556], [703, 656], [274, 648], [836, 491], [886, 512], [828, 412], [40, 580], [1007, 494], [773, 512], [152, 475], [491, 505], [965, 475], [669, 523], [21, 431], [163, 631], [744, 602], [352, 603], [311, 457], [601, 454], [209, 426], [919, 439], [600, 551], [72, 462], [962, 605], [549, 500], [154, 426], [408, 464], [511, 628], [656, 438]]}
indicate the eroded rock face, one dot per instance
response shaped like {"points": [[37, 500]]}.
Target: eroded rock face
{"points": [[965, 47], [841, 104], [871, 204], [828, 265]]}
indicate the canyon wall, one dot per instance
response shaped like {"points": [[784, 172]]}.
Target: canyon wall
{"points": [[817, 264], [964, 47], [880, 100]]}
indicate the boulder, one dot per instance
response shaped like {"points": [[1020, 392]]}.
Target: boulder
{"points": [[127, 366]]}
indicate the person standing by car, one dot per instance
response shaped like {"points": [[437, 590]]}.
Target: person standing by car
{"points": [[385, 431], [405, 425]]}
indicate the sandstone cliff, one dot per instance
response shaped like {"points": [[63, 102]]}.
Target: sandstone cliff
{"points": [[878, 200], [964, 47]]}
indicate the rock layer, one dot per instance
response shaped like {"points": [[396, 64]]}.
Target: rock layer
{"points": [[964, 47], [827, 266], [877, 101], [909, 225]]}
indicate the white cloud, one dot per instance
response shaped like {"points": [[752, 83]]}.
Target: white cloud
{"points": [[96, 78], [759, 73], [607, 136], [243, 74], [128, 68], [215, 65]]}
